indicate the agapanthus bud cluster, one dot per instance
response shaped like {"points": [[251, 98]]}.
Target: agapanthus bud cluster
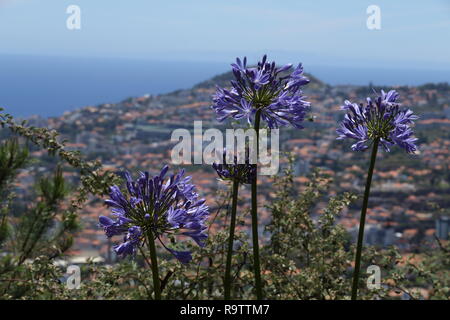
{"points": [[381, 119], [275, 91], [162, 206], [243, 173]]}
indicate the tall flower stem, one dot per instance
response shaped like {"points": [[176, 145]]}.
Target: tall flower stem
{"points": [[231, 239], [154, 262], [257, 268], [362, 221]]}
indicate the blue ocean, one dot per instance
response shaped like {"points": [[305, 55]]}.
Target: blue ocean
{"points": [[48, 86]]}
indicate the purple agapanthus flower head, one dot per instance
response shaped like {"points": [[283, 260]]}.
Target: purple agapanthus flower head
{"points": [[157, 204], [380, 119], [244, 173], [275, 91]]}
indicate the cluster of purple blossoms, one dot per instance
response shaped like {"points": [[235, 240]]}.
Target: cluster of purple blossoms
{"points": [[156, 206], [380, 119], [244, 173], [275, 91]]}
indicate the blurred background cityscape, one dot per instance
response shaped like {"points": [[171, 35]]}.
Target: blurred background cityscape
{"points": [[119, 86]]}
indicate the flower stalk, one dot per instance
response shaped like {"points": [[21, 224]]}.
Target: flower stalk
{"points": [[363, 220], [231, 239], [254, 211], [154, 265]]}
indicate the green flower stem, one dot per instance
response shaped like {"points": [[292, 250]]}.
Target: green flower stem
{"points": [[257, 268], [362, 221], [154, 262], [231, 240]]}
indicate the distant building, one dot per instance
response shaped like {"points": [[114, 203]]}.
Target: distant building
{"points": [[377, 235], [443, 227], [447, 113], [302, 167]]}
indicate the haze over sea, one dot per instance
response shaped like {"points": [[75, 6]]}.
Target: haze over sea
{"points": [[48, 86]]}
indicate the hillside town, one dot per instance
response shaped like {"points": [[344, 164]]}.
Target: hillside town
{"points": [[135, 135]]}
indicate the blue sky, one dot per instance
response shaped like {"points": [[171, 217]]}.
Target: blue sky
{"points": [[414, 34]]}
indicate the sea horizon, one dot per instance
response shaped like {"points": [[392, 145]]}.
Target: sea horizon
{"points": [[48, 86]]}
